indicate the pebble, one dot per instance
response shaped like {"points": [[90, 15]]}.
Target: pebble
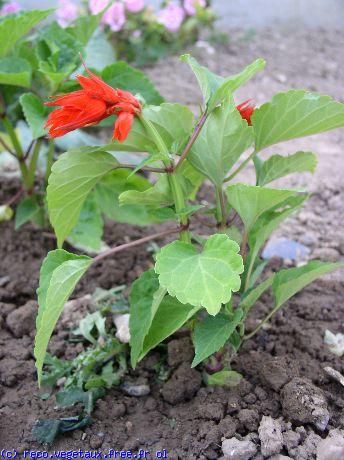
{"points": [[233, 449], [270, 435], [135, 390]]}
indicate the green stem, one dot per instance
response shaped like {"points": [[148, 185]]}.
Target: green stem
{"points": [[249, 273], [50, 159], [261, 324], [221, 209], [241, 167], [177, 192], [180, 204], [18, 149], [33, 163]]}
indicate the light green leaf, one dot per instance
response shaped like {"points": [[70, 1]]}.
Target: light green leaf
{"points": [[88, 232], [204, 279], [157, 195], [72, 178], [174, 122], [231, 84], [12, 28], [122, 75], [296, 113], [91, 321], [121, 183], [252, 295], [60, 273], [99, 52], [15, 71], [215, 88], [145, 297], [84, 27], [224, 137], [224, 378], [170, 316], [290, 281], [35, 114], [212, 333], [6, 213], [138, 140], [251, 202], [279, 166], [27, 210]]}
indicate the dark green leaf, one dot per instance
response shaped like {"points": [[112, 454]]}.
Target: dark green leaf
{"points": [[15, 71], [35, 114]]}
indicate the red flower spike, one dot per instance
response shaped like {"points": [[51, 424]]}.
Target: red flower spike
{"points": [[90, 105], [246, 110]]}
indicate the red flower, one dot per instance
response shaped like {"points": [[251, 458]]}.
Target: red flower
{"points": [[246, 110], [88, 106]]}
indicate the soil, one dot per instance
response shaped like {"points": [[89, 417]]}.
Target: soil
{"points": [[283, 366]]}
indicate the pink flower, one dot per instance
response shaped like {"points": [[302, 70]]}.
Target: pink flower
{"points": [[67, 12], [96, 6], [114, 17], [134, 6], [190, 6], [171, 17], [12, 7]]}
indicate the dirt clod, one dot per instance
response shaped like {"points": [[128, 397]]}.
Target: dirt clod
{"points": [[249, 418], [179, 351], [22, 320], [183, 385], [270, 435], [303, 402], [332, 447], [211, 411]]}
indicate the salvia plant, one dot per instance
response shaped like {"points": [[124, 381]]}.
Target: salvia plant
{"points": [[37, 61], [208, 283]]}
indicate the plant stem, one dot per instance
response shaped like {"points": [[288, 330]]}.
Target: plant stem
{"points": [[15, 197], [261, 324], [180, 205], [192, 139], [50, 159], [244, 245], [221, 209], [241, 167], [18, 149], [7, 148], [144, 168], [33, 163], [132, 244]]}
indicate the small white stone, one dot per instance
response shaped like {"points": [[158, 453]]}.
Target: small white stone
{"points": [[233, 449], [122, 325], [331, 448], [335, 342], [270, 435]]}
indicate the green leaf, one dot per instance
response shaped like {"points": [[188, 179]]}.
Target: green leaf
{"points": [[100, 52], [12, 28], [279, 166], [84, 27], [72, 178], [252, 295], [157, 195], [170, 316], [224, 137], [251, 202], [212, 333], [121, 183], [231, 84], [6, 213], [91, 321], [296, 113], [215, 88], [122, 75], [204, 279], [35, 114], [27, 210], [224, 378], [290, 281], [60, 273], [15, 71], [138, 140], [145, 298], [88, 232]]}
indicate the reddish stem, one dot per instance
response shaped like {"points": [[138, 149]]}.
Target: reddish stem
{"points": [[192, 139]]}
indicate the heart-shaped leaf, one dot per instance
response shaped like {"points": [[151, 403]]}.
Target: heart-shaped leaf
{"points": [[205, 279]]}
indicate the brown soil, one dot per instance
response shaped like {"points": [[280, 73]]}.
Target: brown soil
{"points": [[283, 365]]}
